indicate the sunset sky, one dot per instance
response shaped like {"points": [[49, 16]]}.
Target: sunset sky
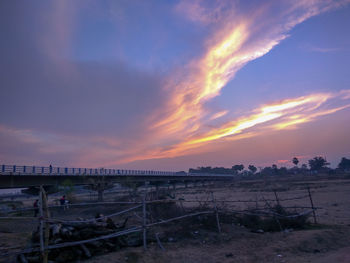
{"points": [[174, 84]]}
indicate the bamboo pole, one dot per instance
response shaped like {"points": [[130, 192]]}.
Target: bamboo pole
{"points": [[312, 205], [41, 222], [47, 226], [216, 213], [144, 223], [179, 217]]}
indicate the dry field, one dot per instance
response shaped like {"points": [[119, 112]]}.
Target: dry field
{"points": [[329, 241]]}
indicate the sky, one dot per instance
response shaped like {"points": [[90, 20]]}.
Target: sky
{"points": [[173, 85]]}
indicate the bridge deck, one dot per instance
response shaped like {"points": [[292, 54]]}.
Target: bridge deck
{"points": [[24, 176]]}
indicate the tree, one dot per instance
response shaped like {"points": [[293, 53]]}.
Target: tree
{"points": [[238, 167], [344, 164], [317, 163], [267, 171], [304, 166], [252, 168], [295, 161], [283, 170]]}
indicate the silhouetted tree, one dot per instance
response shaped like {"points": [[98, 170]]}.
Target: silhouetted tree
{"points": [[317, 163], [252, 168], [295, 161], [267, 171], [304, 166], [283, 171], [238, 167], [344, 164]]}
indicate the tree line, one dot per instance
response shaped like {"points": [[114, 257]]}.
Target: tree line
{"points": [[314, 165]]}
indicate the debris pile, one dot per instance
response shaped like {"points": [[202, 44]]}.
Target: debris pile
{"points": [[77, 231]]}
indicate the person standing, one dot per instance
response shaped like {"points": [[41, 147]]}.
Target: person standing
{"points": [[36, 207]]}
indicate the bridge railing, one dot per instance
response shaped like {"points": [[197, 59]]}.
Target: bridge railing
{"points": [[50, 170], [58, 171]]}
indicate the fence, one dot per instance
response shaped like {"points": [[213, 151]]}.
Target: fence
{"points": [[45, 220]]}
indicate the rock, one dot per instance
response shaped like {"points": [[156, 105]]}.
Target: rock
{"points": [[171, 239], [259, 231]]}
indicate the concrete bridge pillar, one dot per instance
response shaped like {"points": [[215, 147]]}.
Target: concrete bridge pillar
{"points": [[157, 191], [100, 190], [100, 195]]}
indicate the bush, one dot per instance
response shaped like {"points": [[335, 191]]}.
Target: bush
{"points": [[274, 222]]}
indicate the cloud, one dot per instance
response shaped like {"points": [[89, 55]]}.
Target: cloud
{"points": [[218, 115], [313, 48], [237, 40], [288, 113], [111, 114]]}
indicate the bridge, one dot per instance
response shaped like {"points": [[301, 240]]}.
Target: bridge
{"points": [[15, 176]]}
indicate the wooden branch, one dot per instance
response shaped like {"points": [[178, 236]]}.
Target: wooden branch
{"points": [[144, 222], [47, 226], [179, 217], [312, 204], [216, 213], [41, 222]]}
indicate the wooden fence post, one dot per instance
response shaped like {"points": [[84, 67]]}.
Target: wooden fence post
{"points": [[144, 222], [46, 213], [312, 204], [41, 223], [216, 213]]}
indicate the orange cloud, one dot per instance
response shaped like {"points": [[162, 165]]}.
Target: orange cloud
{"points": [[219, 115], [183, 124], [234, 43], [284, 114]]}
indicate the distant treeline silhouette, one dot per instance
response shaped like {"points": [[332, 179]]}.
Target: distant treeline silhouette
{"points": [[315, 165]]}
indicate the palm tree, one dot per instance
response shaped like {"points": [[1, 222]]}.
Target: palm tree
{"points": [[295, 161]]}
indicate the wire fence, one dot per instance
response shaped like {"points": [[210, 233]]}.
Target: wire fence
{"points": [[45, 221]]}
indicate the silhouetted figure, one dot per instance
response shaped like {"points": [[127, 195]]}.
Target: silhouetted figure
{"points": [[64, 202], [36, 207], [50, 167]]}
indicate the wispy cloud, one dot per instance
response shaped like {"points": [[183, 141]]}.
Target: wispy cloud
{"points": [[182, 123], [286, 114], [218, 115], [236, 41], [313, 48], [183, 126]]}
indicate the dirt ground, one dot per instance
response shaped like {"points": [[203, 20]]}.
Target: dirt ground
{"points": [[328, 241]]}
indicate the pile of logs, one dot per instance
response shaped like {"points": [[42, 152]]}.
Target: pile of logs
{"points": [[76, 231]]}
